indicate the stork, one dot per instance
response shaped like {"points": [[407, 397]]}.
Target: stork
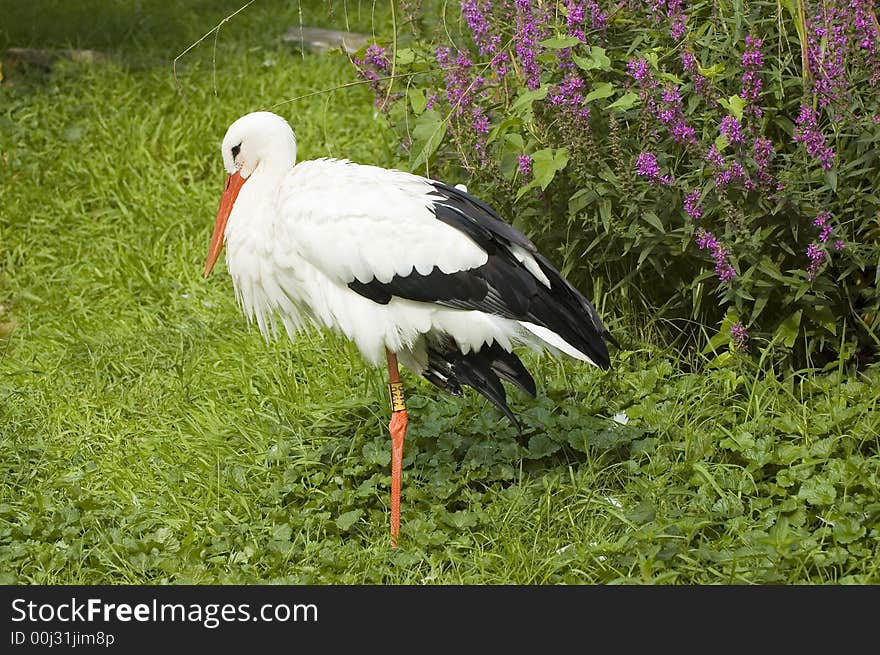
{"points": [[410, 269]]}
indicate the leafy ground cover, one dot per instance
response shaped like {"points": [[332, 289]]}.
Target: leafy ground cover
{"points": [[148, 436]]}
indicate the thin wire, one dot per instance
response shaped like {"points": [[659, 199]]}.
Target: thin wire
{"points": [[207, 34], [345, 86]]}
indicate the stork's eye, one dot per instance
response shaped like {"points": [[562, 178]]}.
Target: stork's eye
{"points": [[236, 150]]}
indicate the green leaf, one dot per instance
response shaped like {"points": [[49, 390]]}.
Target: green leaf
{"points": [[541, 446], [652, 219], [831, 179], [597, 59], [501, 128], [625, 102], [526, 98], [770, 269], [824, 316], [417, 99], [405, 56], [848, 529], [712, 71], [601, 90], [516, 141], [817, 491], [348, 519], [733, 104], [721, 142], [545, 164], [722, 337], [428, 133], [560, 42], [788, 329]]}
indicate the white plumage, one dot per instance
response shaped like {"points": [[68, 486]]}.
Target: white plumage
{"points": [[357, 248]]}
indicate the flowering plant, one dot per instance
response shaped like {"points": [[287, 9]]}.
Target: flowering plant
{"points": [[702, 167]]}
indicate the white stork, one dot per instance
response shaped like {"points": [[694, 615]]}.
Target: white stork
{"points": [[404, 266]]}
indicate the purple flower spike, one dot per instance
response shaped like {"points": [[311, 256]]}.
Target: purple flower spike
{"points": [[373, 67], [474, 12], [763, 152], [723, 269], [731, 128], [816, 256], [647, 167], [526, 38], [692, 204], [738, 336], [822, 221], [752, 60], [808, 133]]}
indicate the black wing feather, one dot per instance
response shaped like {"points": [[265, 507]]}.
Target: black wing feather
{"points": [[502, 286], [448, 369]]}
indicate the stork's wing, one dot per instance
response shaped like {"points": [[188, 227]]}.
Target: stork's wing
{"points": [[366, 223], [387, 233]]}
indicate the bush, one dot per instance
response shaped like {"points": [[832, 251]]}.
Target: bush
{"points": [[709, 168]]}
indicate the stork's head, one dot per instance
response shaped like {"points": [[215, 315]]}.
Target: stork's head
{"points": [[260, 143], [259, 140]]}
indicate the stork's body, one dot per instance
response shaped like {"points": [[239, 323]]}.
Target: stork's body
{"points": [[399, 264]]}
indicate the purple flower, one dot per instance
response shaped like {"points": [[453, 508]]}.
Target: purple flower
{"points": [[692, 204], [646, 166], [731, 128], [373, 67], [474, 12], [671, 11], [480, 121], [569, 96], [577, 12], [808, 134], [867, 36], [526, 39], [640, 71], [827, 47], [822, 221], [671, 114], [725, 172], [701, 82], [525, 165], [816, 255], [752, 60], [738, 336], [669, 110], [838, 245], [598, 17], [377, 57], [460, 89], [714, 157], [499, 63], [723, 269], [763, 153], [677, 19]]}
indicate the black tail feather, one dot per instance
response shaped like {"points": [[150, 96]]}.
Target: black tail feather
{"points": [[483, 370], [509, 367]]}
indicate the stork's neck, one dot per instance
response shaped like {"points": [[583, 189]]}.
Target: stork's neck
{"points": [[277, 158]]}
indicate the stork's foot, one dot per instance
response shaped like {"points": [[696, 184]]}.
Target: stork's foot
{"points": [[397, 428]]}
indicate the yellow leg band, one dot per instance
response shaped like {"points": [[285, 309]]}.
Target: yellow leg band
{"points": [[397, 402]]}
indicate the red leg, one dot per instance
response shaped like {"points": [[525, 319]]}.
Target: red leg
{"points": [[398, 432], [397, 428]]}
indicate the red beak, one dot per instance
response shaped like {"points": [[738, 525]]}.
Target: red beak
{"points": [[234, 183]]}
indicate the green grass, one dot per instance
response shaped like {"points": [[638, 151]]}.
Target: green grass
{"points": [[148, 436]]}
